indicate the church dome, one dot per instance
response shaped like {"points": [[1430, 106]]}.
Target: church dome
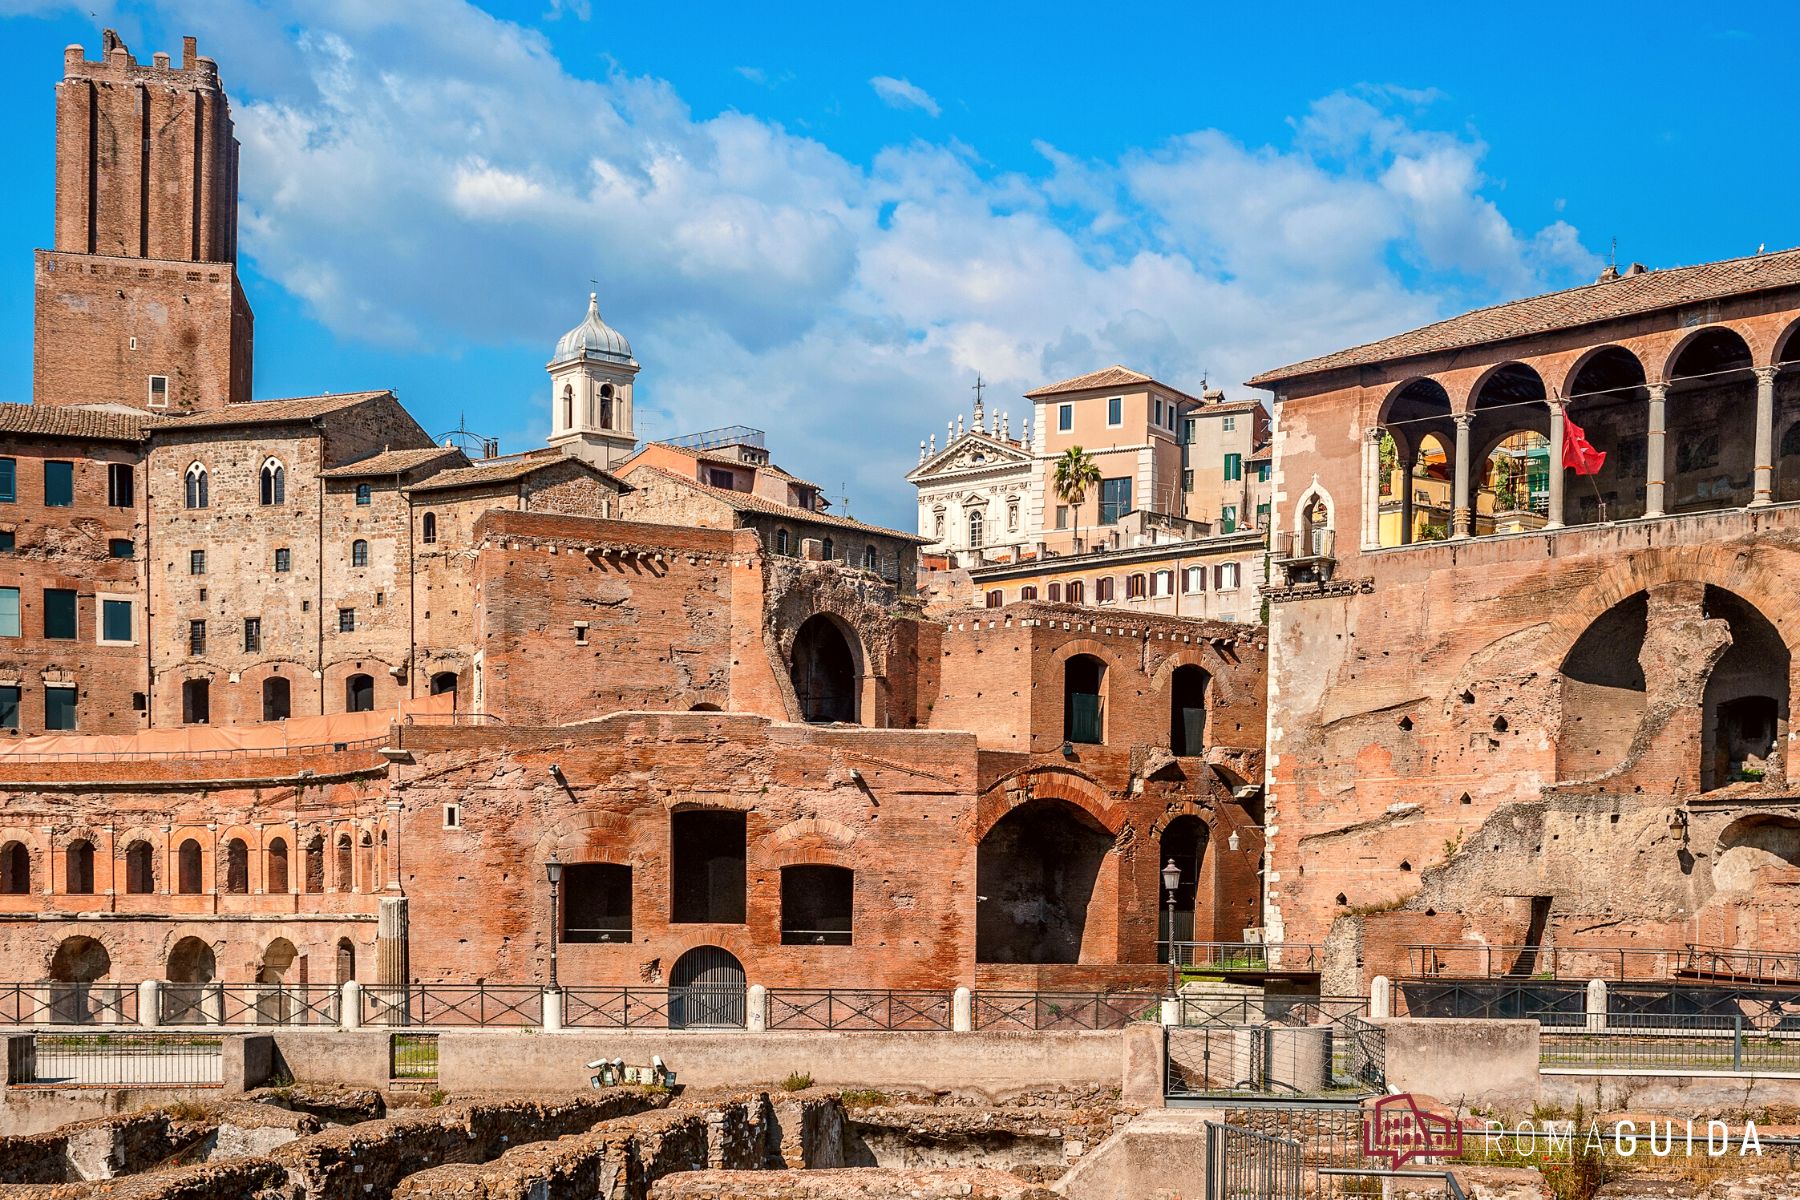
{"points": [[593, 339]]}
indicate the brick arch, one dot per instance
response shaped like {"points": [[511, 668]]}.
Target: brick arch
{"points": [[816, 830], [1565, 384], [1069, 649], [1785, 347], [1046, 783], [1208, 814], [811, 853], [1687, 338]]}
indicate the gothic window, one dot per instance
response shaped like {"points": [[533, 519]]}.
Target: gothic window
{"points": [[274, 482], [196, 486]]}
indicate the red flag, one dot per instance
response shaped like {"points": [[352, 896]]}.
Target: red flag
{"points": [[1579, 454]]}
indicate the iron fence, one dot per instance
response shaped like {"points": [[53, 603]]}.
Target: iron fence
{"points": [[68, 1004], [1464, 960], [413, 1056], [1242, 1164], [1063, 1010], [249, 1004], [1329, 1055], [236, 752], [616, 1008], [120, 1060], [1707, 1042], [1747, 966], [479, 1004], [1489, 1001], [1299, 958], [795, 1008]]}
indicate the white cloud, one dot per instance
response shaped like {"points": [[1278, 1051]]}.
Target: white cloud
{"points": [[902, 93], [425, 175]]}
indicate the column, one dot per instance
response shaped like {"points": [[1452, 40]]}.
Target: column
{"points": [[1765, 436], [1407, 515], [1371, 515], [1558, 410], [1462, 521], [1654, 459]]}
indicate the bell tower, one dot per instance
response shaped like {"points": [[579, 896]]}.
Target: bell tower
{"points": [[591, 377]]}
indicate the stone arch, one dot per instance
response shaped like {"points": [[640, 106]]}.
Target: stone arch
{"points": [[825, 666], [1184, 841], [277, 958], [1037, 872], [15, 868], [1744, 710], [1710, 417], [1603, 695], [1046, 783], [1666, 371], [1785, 349], [79, 959], [1608, 397], [1754, 845]]}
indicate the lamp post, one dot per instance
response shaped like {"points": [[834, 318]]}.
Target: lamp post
{"points": [[553, 871], [1171, 880]]}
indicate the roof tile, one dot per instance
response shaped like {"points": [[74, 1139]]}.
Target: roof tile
{"points": [[74, 421]]}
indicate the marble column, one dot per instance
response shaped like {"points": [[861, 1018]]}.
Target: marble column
{"points": [[1558, 410], [1462, 519], [1655, 464], [1765, 436]]}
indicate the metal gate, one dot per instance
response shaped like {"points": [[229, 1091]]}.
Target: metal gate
{"points": [[706, 990], [1242, 1164]]}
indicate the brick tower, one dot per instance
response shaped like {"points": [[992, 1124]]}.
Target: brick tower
{"points": [[139, 303]]}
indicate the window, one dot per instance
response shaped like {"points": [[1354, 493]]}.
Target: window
{"points": [[9, 706], [9, 612], [568, 406], [1157, 409], [15, 869], [1135, 586], [275, 875], [1187, 480], [1053, 593], [359, 553], [121, 485], [276, 699], [719, 478], [274, 482], [1084, 690], [115, 621], [59, 484], [312, 866], [7, 541], [816, 905], [1065, 417], [1228, 424], [1077, 592], [252, 635], [707, 867], [596, 901], [284, 560], [187, 868], [59, 613], [78, 868], [1162, 583], [871, 560], [1262, 515], [1115, 499], [346, 620], [196, 486], [976, 520], [1103, 590], [827, 551], [359, 693], [1028, 593], [59, 708], [196, 562], [196, 637], [1234, 467], [1115, 411], [1225, 577], [364, 493], [140, 876], [9, 480], [1228, 518], [781, 541], [1193, 579], [428, 529], [122, 548], [158, 395], [1062, 516], [996, 598], [1262, 471], [237, 867]]}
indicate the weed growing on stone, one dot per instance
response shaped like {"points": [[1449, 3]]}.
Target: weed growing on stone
{"points": [[797, 1082]]}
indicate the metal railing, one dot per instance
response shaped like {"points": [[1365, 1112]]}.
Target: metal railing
{"points": [[479, 1004], [1494, 1002], [78, 756], [1298, 957], [1064, 1010], [616, 1008], [452, 719], [1465, 960], [1242, 1164], [248, 1004], [1355, 1176], [120, 1060], [795, 1008], [1311, 1048], [1742, 966], [68, 1004], [1691, 1043]]}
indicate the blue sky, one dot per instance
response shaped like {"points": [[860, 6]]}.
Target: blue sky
{"points": [[823, 219]]}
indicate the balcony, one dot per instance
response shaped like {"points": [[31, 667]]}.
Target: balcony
{"points": [[1305, 559]]}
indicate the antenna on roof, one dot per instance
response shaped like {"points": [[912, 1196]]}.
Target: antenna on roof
{"points": [[844, 497], [1612, 258], [462, 437]]}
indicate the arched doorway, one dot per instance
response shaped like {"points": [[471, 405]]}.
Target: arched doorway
{"points": [[273, 1005], [346, 961], [1084, 700], [78, 963], [824, 672], [1187, 710], [706, 990], [1184, 844], [1035, 873], [190, 968], [1746, 700], [15, 869], [359, 693]]}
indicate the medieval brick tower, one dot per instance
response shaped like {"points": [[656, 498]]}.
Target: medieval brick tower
{"points": [[139, 303]]}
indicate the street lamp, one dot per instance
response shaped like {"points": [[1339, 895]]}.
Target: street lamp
{"points": [[1171, 880], [553, 872]]}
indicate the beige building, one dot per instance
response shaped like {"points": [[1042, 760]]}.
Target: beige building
{"points": [[1224, 482], [1213, 577], [974, 495]]}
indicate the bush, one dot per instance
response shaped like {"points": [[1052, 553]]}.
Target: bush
{"points": [[797, 1082]]}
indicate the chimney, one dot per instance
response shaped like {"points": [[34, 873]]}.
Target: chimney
{"points": [[1636, 269], [1607, 276]]}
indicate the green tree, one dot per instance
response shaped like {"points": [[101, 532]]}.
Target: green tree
{"points": [[1076, 472]]}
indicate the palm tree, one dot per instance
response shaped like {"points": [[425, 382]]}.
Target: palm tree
{"points": [[1076, 472]]}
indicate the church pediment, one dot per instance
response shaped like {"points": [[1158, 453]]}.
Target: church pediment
{"points": [[971, 452]]}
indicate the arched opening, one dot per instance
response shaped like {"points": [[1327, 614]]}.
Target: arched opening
{"points": [[359, 693], [706, 990], [1187, 710], [276, 959], [313, 871], [606, 406], [828, 550], [187, 868], [275, 875], [1084, 700], [1035, 873], [428, 529], [976, 524], [191, 966], [277, 699], [15, 869], [237, 868], [568, 406], [1314, 529], [78, 963], [78, 868], [1746, 700], [443, 683], [1416, 414], [824, 672], [365, 864], [1603, 694], [817, 905], [1756, 852], [1787, 415], [140, 868], [1608, 400], [359, 553], [1183, 843], [196, 701], [381, 859], [1510, 439], [341, 880], [346, 961], [1711, 420], [274, 483], [196, 486]]}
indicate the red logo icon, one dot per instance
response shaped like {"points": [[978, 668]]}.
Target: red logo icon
{"points": [[1397, 1129]]}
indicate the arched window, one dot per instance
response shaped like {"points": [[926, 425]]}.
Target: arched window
{"points": [[606, 406], [428, 529], [359, 693], [359, 553], [312, 877], [1134, 586], [340, 867], [871, 561], [196, 486], [1028, 593], [1053, 593], [996, 598], [346, 961], [275, 876], [78, 868], [140, 873], [187, 868], [237, 867], [826, 550], [442, 682], [15, 869], [274, 482], [1187, 710], [1084, 700], [975, 523], [277, 701], [568, 406], [381, 861], [365, 865]]}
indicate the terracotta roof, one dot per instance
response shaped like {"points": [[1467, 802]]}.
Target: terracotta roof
{"points": [[1263, 453], [506, 470], [1111, 377], [1625, 296], [393, 462], [73, 421], [261, 412], [725, 461], [1236, 406], [747, 502]]}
